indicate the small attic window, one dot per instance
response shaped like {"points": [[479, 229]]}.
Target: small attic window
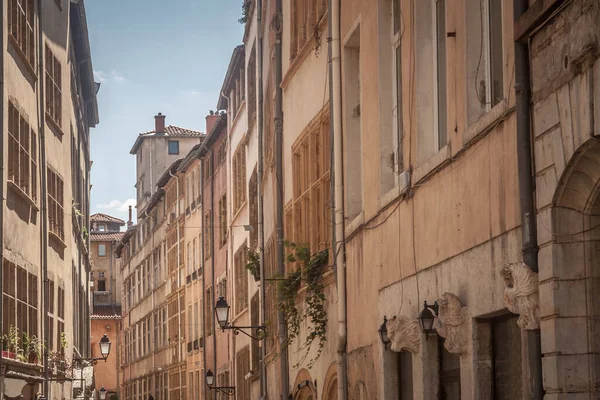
{"points": [[173, 146]]}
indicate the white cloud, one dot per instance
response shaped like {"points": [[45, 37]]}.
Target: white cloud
{"points": [[100, 76], [114, 76], [120, 206]]}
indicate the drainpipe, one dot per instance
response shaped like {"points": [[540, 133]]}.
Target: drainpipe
{"points": [[212, 250], [526, 188], [340, 262], [259, 180], [43, 196], [204, 396], [178, 277], [2, 180], [278, 25]]}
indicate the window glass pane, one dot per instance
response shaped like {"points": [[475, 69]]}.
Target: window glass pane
{"points": [[441, 71], [173, 147], [102, 250], [397, 16]]}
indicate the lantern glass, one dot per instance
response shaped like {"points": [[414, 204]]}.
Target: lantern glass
{"points": [[104, 346], [426, 318], [102, 393], [210, 378], [222, 311]]}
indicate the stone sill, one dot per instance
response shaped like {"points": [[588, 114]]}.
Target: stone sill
{"points": [[398, 190], [22, 194], [487, 121], [431, 164], [23, 57], [356, 223]]}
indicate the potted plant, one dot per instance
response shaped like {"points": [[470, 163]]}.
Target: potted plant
{"points": [[253, 264], [32, 348], [10, 343]]}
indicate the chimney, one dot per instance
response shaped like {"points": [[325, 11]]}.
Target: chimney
{"points": [[130, 222], [211, 119], [159, 123]]}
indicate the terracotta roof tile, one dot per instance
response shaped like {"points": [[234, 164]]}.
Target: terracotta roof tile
{"points": [[106, 236], [175, 131], [99, 217], [106, 312]]}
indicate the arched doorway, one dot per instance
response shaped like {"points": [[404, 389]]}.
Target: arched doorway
{"points": [[303, 388], [569, 274]]}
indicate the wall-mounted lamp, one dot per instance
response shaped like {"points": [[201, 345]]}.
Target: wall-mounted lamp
{"points": [[427, 318], [383, 333]]}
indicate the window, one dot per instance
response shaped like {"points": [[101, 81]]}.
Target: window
{"points": [[253, 210], [53, 87], [207, 235], [242, 361], [21, 17], [405, 378], [190, 327], [270, 268], [101, 228], [20, 299], [102, 285], [431, 77], [196, 321], [353, 139], [22, 153], [101, 274], [306, 15], [206, 167], [397, 57], [252, 86], [485, 57], [173, 146], [208, 312], [55, 205], [255, 321], [239, 178], [102, 250], [310, 170], [222, 152], [241, 279], [449, 370], [223, 220]]}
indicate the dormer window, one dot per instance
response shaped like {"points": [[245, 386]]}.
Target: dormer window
{"points": [[101, 228]]}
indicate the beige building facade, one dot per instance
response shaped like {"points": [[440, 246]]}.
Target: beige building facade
{"points": [[48, 105]]}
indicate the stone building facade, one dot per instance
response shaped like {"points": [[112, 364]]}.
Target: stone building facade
{"points": [[48, 105], [105, 285]]}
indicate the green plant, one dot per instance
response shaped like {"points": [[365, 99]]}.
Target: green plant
{"points": [[245, 11], [11, 339], [32, 347], [253, 263], [85, 233], [310, 268], [63, 340]]}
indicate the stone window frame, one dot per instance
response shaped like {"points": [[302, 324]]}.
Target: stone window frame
{"points": [[53, 72], [242, 364], [397, 31], [21, 18], [311, 185], [207, 236], [239, 178], [102, 246], [208, 322], [251, 83], [20, 292], [56, 213], [305, 18], [223, 220], [240, 260], [22, 154], [173, 147], [253, 210]]}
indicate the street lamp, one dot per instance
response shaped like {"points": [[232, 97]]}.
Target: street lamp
{"points": [[426, 317], [222, 313], [102, 393], [210, 381], [105, 346], [383, 333]]}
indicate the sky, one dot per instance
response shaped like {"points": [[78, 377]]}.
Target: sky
{"points": [[152, 56]]}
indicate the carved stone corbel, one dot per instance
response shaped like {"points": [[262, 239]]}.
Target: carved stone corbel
{"points": [[404, 333], [451, 323], [521, 294]]}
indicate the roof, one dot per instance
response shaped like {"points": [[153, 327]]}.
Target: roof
{"points": [[99, 217], [106, 236], [189, 158], [170, 131], [237, 62], [106, 312], [217, 129], [83, 53]]}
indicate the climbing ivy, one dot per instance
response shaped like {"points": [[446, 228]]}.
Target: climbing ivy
{"points": [[245, 11], [310, 269]]}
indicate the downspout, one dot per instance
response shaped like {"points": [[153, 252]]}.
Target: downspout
{"points": [[259, 180], [203, 276], [1, 183], [178, 278], [340, 263], [278, 26], [43, 197], [212, 250], [526, 188]]}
